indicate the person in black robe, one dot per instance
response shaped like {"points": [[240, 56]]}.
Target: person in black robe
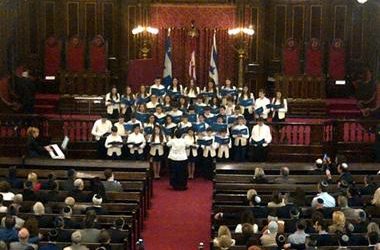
{"points": [[34, 148]]}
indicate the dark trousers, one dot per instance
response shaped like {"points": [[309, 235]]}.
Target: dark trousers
{"points": [[114, 156], [114, 115], [102, 152], [136, 156], [207, 167], [178, 174], [259, 153], [240, 153], [276, 119]]}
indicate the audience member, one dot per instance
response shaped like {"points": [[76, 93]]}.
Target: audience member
{"points": [[33, 178], [105, 240], [370, 185], [284, 178], [328, 200], [3, 209], [9, 233], [97, 205], [39, 212], [298, 238], [349, 213], [12, 211], [224, 239], [63, 235], [22, 243], [67, 221], [338, 222], [77, 193], [247, 217], [68, 184], [110, 184], [373, 209], [12, 178], [76, 239], [28, 193], [117, 232], [268, 239], [277, 200], [52, 238], [90, 233], [259, 176], [5, 191]]}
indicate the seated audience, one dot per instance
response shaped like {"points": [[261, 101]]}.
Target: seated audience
{"points": [[247, 217], [277, 200], [224, 239], [110, 184], [77, 193], [284, 179], [76, 239], [328, 200], [68, 184], [370, 185], [52, 238], [373, 209], [5, 188], [90, 231], [68, 222], [63, 235], [97, 205], [298, 238], [23, 241], [12, 211], [259, 176], [105, 240], [12, 178], [268, 239], [117, 232], [338, 222], [39, 212], [9, 233], [349, 213]]}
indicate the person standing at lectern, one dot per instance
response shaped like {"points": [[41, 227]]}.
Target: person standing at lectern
{"points": [[178, 161], [260, 139], [34, 149]]}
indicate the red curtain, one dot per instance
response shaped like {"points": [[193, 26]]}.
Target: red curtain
{"points": [[181, 54], [141, 72], [313, 62], [337, 69], [206, 18], [52, 60]]}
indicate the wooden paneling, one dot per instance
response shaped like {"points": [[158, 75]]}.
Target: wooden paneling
{"points": [[315, 22], [49, 8], [72, 19], [357, 33], [298, 22], [255, 21], [108, 27], [90, 20], [340, 20], [280, 24]]}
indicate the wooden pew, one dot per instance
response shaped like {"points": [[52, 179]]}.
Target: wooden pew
{"points": [[295, 168], [240, 178]]}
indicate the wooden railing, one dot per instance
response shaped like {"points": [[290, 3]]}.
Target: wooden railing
{"points": [[84, 83], [301, 86]]}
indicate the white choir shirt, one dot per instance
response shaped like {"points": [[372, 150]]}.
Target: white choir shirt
{"points": [[262, 102], [155, 86], [177, 149], [120, 128], [99, 128], [8, 196], [109, 105], [190, 141], [113, 149], [135, 122], [136, 138], [261, 132], [209, 149], [281, 111], [249, 108], [243, 139], [192, 93], [184, 125], [151, 105], [159, 116], [175, 113], [159, 148], [230, 109], [178, 89]]}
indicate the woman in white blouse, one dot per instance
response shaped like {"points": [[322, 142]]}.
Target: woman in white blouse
{"points": [[157, 141], [112, 102], [178, 161], [192, 151], [279, 107]]}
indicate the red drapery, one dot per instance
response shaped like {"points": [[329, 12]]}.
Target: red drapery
{"points": [[52, 60], [313, 62], [291, 61], [181, 54], [337, 69], [207, 18], [141, 72], [75, 56]]}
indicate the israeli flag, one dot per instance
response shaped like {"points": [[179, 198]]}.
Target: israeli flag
{"points": [[167, 75], [213, 71]]}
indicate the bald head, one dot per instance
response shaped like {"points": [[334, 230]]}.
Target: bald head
{"points": [[284, 171]]}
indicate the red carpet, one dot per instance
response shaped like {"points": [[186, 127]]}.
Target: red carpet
{"points": [[179, 220]]}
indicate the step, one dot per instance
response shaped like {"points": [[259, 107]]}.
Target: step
{"points": [[45, 109]]}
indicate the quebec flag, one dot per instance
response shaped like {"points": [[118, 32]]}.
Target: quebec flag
{"points": [[167, 75], [213, 71]]}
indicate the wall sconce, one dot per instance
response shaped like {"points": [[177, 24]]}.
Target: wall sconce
{"points": [[241, 34], [144, 36], [361, 1]]}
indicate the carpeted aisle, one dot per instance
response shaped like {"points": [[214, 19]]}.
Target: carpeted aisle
{"points": [[179, 220]]}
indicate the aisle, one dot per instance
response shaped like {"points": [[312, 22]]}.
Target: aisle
{"points": [[179, 220]]}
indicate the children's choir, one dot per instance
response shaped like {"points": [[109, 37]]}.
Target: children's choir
{"points": [[213, 123]]}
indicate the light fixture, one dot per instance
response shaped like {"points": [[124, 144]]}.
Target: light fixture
{"points": [[139, 29], [245, 30], [362, 1]]}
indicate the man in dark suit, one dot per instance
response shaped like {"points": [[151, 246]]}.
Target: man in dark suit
{"points": [[117, 232], [77, 193], [68, 185]]}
